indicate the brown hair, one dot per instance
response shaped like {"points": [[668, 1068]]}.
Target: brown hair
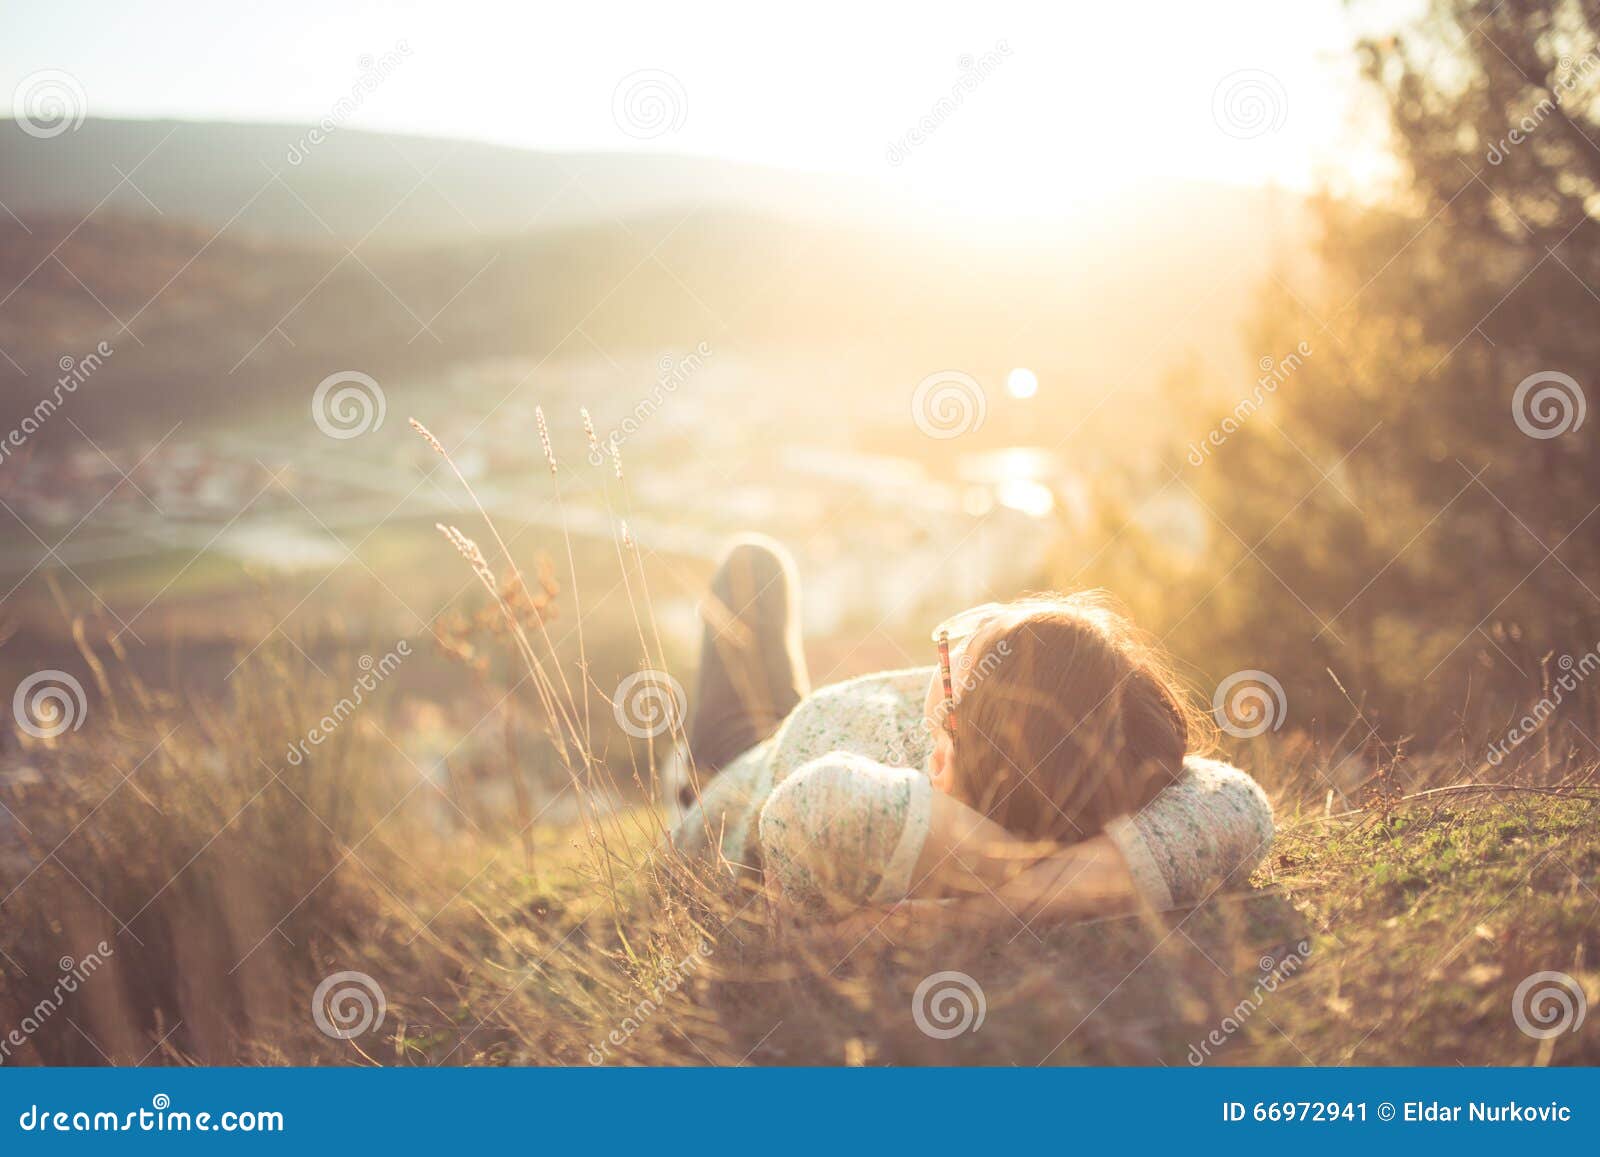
{"points": [[1070, 719]]}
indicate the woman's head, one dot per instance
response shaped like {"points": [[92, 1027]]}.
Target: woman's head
{"points": [[1066, 718]]}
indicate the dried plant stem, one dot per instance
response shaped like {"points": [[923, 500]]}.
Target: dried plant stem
{"points": [[679, 735], [584, 681], [563, 714], [580, 739], [519, 792], [1457, 789]]}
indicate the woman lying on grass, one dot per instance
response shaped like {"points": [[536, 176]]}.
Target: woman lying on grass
{"points": [[1046, 773]]}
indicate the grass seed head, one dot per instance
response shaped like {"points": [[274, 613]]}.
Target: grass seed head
{"points": [[427, 436], [588, 430], [544, 438]]}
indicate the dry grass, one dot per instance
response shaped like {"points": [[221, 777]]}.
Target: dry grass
{"points": [[228, 890], [229, 882]]}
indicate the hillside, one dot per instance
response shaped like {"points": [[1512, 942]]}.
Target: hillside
{"points": [[1401, 933], [241, 289], [386, 187]]}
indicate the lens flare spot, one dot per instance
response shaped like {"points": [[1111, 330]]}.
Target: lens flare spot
{"points": [[1022, 383], [1031, 498]]}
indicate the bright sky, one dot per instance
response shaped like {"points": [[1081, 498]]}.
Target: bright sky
{"points": [[1091, 99]]}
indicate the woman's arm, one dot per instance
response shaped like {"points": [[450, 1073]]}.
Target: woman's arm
{"points": [[972, 859], [1208, 830], [844, 832], [1211, 827]]}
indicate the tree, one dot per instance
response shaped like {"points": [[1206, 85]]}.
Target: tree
{"points": [[1417, 506]]}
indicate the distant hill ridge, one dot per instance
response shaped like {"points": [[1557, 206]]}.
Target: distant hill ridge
{"points": [[397, 188], [245, 277]]}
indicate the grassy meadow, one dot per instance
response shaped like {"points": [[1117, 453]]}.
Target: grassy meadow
{"points": [[229, 882], [339, 789]]}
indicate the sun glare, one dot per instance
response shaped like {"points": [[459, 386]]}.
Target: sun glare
{"points": [[1022, 383]]}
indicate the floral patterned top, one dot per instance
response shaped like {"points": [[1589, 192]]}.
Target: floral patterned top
{"points": [[836, 805]]}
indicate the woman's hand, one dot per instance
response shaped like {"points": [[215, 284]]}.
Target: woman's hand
{"points": [[1078, 882], [994, 875]]}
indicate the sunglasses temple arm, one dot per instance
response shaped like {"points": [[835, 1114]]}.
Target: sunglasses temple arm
{"points": [[949, 693]]}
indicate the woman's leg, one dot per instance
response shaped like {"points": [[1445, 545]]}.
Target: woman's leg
{"points": [[752, 668]]}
